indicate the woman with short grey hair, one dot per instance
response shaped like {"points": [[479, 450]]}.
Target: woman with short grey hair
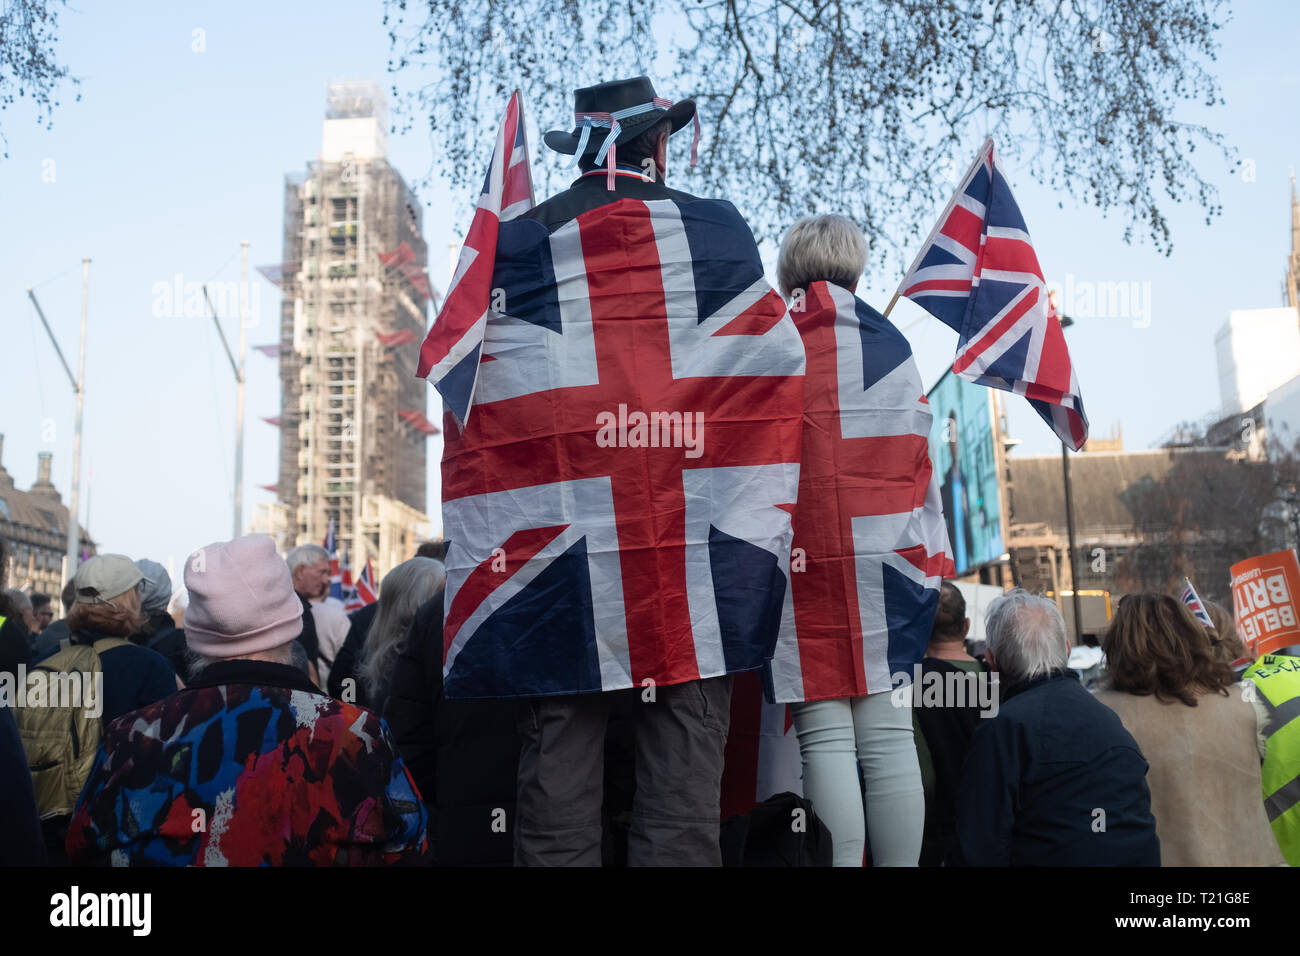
{"points": [[835, 664], [821, 248]]}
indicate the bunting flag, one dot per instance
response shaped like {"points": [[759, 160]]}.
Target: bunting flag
{"points": [[400, 337], [417, 420]]}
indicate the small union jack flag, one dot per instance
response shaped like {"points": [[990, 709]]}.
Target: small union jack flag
{"points": [[978, 274], [367, 592], [1193, 601], [336, 578], [449, 357]]}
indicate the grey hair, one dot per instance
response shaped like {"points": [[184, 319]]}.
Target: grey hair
{"points": [[401, 593], [305, 554], [821, 248], [197, 663], [1026, 635], [19, 599]]}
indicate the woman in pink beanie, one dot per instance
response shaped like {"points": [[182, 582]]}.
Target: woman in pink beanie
{"points": [[257, 766], [242, 603]]}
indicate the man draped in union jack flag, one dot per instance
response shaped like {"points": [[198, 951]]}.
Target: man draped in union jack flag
{"points": [[870, 551], [617, 504], [978, 274]]}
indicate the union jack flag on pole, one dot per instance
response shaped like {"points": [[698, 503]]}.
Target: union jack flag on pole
{"points": [[449, 357], [978, 274], [1193, 601]]}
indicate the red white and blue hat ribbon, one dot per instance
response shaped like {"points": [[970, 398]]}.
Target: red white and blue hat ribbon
{"points": [[608, 149]]}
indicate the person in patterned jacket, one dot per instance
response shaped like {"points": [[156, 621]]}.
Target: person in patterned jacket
{"points": [[251, 764]]}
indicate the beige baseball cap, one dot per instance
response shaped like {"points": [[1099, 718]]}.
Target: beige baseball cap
{"points": [[103, 577]]}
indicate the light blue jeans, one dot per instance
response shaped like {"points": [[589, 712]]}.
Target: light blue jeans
{"points": [[832, 733]]}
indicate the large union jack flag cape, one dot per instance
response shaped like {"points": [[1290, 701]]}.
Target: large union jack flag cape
{"points": [[618, 506], [870, 544], [978, 274]]}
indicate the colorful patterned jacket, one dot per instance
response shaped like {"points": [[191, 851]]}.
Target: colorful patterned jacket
{"points": [[251, 765]]}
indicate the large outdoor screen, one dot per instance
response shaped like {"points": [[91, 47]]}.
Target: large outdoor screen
{"points": [[965, 464]]}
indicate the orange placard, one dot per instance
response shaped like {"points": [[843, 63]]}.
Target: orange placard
{"points": [[1265, 596]]}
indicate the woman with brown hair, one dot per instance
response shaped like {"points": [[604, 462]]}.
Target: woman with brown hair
{"points": [[1197, 731], [106, 613]]}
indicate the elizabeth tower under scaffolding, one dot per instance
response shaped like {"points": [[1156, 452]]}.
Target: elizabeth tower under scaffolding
{"points": [[354, 310]]}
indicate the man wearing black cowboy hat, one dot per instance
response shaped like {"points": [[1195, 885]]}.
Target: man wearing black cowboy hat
{"points": [[650, 623], [630, 162], [635, 162]]}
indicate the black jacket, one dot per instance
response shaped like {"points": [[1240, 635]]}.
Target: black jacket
{"points": [[15, 647], [1054, 780], [162, 635], [463, 754], [21, 842], [947, 732], [134, 676], [345, 662], [308, 639], [588, 192]]}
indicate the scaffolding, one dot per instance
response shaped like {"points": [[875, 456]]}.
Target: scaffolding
{"points": [[347, 318]]}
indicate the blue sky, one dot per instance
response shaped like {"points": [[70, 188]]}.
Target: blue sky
{"points": [[173, 156]]}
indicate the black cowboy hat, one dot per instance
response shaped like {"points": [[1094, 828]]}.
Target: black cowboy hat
{"points": [[610, 98]]}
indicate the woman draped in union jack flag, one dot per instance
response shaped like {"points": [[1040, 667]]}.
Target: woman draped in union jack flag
{"points": [[869, 552]]}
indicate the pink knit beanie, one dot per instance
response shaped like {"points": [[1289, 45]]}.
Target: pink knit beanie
{"points": [[241, 599]]}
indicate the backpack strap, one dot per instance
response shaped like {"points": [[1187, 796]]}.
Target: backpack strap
{"points": [[108, 643]]}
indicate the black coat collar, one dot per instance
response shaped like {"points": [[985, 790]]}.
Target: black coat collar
{"points": [[1011, 690], [264, 673]]}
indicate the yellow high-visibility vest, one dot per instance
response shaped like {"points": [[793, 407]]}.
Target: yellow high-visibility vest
{"points": [[1277, 678]]}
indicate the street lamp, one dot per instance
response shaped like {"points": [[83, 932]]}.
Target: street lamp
{"points": [[1066, 322]]}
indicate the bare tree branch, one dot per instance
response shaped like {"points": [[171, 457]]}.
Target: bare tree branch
{"points": [[28, 66], [870, 108]]}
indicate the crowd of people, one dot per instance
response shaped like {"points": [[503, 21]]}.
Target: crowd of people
{"points": [[253, 759], [257, 723]]}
